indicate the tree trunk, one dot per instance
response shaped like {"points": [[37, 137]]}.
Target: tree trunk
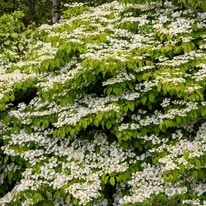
{"points": [[56, 11]]}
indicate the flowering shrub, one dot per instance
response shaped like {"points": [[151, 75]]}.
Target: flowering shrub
{"points": [[107, 108], [194, 4]]}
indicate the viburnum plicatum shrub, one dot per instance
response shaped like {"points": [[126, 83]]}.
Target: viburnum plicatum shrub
{"points": [[107, 107], [194, 4]]}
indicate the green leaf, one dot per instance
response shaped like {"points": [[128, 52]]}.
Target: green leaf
{"points": [[96, 122], [109, 90], [165, 178], [55, 87], [178, 119], [21, 46], [171, 178], [186, 155], [125, 108], [48, 203], [14, 35], [7, 42], [37, 169], [195, 174], [97, 149], [105, 179], [57, 63], [46, 65], [131, 106], [136, 144], [143, 131], [99, 117], [84, 123], [6, 159], [119, 178], [117, 90], [55, 133], [68, 198], [72, 131], [75, 201], [140, 147], [151, 97], [80, 49], [126, 176], [159, 87], [68, 49], [162, 127], [37, 198], [182, 169], [46, 123], [143, 100], [112, 181], [124, 145], [203, 112], [12, 97], [198, 164], [62, 132], [108, 124], [201, 174], [10, 175], [57, 194]]}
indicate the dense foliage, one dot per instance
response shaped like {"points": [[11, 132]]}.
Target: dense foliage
{"points": [[39, 11], [194, 4], [106, 108]]}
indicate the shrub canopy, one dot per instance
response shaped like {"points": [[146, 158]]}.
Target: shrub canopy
{"points": [[106, 108], [193, 4]]}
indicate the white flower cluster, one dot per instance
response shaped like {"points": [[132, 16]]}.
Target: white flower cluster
{"points": [[150, 180], [9, 81], [200, 75], [172, 113], [81, 164], [141, 20], [41, 51], [68, 118], [121, 77]]}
